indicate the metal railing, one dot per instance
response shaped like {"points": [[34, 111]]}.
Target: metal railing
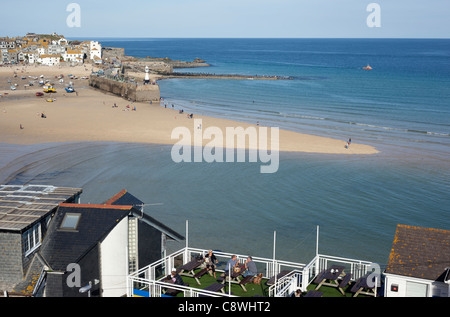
{"points": [[150, 278], [301, 280]]}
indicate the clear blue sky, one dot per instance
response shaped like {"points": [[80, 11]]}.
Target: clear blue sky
{"points": [[230, 18]]}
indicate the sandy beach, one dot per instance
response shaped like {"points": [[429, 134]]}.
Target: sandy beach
{"points": [[89, 115]]}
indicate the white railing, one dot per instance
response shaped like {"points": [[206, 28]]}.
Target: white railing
{"points": [[303, 279], [301, 275]]}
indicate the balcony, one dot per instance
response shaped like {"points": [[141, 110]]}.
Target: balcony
{"points": [[280, 278]]}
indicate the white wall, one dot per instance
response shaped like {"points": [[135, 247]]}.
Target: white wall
{"points": [[408, 285], [114, 261]]}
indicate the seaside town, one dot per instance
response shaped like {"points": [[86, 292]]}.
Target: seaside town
{"points": [[47, 237], [49, 50]]}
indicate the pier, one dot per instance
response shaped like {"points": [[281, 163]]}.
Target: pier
{"points": [[222, 76]]}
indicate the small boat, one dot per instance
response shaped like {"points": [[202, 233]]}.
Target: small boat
{"points": [[367, 67], [39, 94], [50, 100], [70, 89], [49, 89]]}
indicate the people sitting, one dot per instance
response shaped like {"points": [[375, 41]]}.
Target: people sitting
{"points": [[250, 267], [231, 264], [176, 278], [211, 261]]}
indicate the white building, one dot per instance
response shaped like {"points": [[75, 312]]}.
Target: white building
{"points": [[419, 263], [62, 41], [32, 57], [95, 49], [49, 60], [106, 242], [41, 50], [74, 56]]}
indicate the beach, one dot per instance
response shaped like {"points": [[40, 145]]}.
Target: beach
{"points": [[357, 200], [92, 115]]}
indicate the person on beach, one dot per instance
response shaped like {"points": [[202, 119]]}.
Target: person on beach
{"points": [[210, 262], [250, 267]]}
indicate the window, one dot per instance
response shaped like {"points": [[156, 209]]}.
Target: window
{"points": [[414, 289], [70, 221], [31, 239]]}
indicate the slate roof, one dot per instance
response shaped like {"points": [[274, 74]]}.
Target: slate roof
{"points": [[420, 252], [61, 247], [125, 198]]}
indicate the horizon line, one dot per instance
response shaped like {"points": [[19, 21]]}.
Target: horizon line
{"points": [[269, 38]]}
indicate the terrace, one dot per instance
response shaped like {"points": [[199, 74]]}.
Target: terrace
{"points": [[280, 278]]}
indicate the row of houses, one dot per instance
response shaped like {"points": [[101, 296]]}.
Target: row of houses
{"points": [[51, 245], [48, 50]]}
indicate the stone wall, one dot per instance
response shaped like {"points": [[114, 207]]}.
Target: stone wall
{"points": [[11, 271], [110, 53], [129, 91]]}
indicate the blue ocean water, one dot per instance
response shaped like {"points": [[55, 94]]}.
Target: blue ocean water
{"points": [[401, 107], [403, 101]]}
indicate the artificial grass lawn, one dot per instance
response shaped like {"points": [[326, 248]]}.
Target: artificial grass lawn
{"points": [[258, 290], [236, 290]]}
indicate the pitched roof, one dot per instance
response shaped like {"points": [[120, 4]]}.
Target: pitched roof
{"points": [[61, 247], [125, 198], [23, 205], [420, 252]]}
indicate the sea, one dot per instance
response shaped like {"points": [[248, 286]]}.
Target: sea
{"points": [[348, 205]]}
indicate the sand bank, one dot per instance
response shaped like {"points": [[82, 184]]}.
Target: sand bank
{"points": [[89, 115]]}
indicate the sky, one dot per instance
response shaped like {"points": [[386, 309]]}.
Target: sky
{"points": [[228, 18]]}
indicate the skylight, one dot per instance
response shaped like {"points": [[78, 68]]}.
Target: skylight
{"points": [[70, 221]]}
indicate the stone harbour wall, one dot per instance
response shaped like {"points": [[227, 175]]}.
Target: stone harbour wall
{"points": [[129, 91]]}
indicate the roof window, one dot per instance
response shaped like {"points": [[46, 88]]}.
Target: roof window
{"points": [[70, 221]]}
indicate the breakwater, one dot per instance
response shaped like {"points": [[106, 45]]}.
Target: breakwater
{"points": [[128, 90], [222, 76]]}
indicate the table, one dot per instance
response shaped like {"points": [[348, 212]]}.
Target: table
{"points": [[362, 287], [313, 294], [190, 267], [170, 291], [330, 277], [233, 275], [215, 287], [283, 273]]}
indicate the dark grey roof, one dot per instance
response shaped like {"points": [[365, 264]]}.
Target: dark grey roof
{"points": [[61, 247], [125, 198]]}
